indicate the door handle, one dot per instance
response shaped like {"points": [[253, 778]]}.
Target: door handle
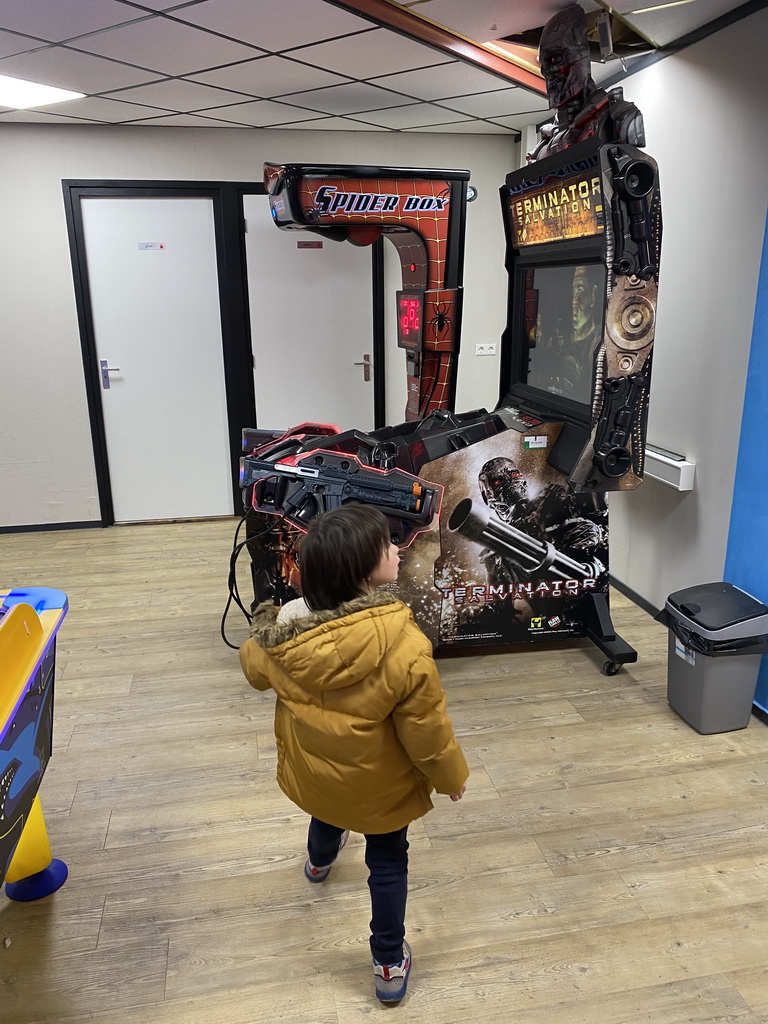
{"points": [[105, 372], [366, 365]]}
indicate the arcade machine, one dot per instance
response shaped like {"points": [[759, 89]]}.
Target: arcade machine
{"points": [[29, 621], [501, 516], [422, 213]]}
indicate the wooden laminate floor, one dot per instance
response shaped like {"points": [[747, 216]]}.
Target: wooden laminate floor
{"points": [[608, 864]]}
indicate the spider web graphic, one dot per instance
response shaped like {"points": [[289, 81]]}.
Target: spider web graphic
{"points": [[432, 227]]}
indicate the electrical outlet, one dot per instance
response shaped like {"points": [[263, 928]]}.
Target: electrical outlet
{"points": [[488, 349]]}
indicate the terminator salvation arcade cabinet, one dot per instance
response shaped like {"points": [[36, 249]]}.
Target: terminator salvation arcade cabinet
{"points": [[524, 554], [501, 516]]}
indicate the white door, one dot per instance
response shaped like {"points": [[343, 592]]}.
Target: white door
{"points": [[311, 323], [155, 306]]}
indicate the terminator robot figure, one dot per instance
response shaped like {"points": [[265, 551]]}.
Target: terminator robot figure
{"points": [[582, 110]]}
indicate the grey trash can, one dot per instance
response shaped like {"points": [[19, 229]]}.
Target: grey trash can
{"points": [[717, 636]]}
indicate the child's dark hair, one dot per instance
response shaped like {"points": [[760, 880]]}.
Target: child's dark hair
{"points": [[340, 551]]}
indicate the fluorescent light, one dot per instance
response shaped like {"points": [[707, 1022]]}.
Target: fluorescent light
{"points": [[658, 7], [19, 95]]}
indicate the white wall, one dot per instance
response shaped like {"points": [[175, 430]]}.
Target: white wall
{"points": [[706, 125], [47, 473]]}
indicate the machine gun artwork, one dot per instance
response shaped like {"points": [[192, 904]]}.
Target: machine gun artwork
{"points": [[532, 555]]}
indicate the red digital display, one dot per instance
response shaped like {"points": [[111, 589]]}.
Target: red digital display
{"points": [[410, 318]]}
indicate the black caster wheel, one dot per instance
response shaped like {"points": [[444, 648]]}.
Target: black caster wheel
{"points": [[610, 668]]}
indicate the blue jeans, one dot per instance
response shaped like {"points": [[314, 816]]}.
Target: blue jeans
{"points": [[386, 857]]}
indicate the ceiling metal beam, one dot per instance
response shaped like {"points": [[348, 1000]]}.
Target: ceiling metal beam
{"points": [[392, 16]]}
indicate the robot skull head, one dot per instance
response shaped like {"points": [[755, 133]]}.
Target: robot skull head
{"points": [[502, 486], [564, 55]]}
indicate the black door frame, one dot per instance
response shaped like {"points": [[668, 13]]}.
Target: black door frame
{"points": [[233, 307], [232, 273]]}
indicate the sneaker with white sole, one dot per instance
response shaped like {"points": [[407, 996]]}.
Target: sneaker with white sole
{"points": [[315, 874], [391, 980]]}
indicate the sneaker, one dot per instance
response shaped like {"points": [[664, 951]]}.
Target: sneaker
{"points": [[320, 874], [391, 980]]}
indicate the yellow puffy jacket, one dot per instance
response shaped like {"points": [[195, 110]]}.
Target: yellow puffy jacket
{"points": [[362, 733]]}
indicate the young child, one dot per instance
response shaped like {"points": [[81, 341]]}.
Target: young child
{"points": [[362, 732]]}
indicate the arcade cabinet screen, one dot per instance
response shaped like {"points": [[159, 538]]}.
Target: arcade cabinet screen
{"points": [[562, 309]]}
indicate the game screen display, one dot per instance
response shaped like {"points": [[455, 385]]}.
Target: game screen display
{"points": [[562, 320]]}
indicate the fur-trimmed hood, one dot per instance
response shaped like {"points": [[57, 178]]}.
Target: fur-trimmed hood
{"points": [[328, 650]]}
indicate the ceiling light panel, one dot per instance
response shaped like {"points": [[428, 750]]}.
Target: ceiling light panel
{"points": [[273, 26], [70, 69], [370, 54], [269, 76], [21, 94], [165, 46], [38, 117]]}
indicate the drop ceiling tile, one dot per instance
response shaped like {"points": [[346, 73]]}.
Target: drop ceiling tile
{"points": [[38, 117], [70, 69], [672, 23], [435, 83], [471, 127], [484, 20], [261, 22], [411, 117], [269, 76], [182, 121], [164, 5], [177, 94], [497, 104], [348, 99], [520, 121], [166, 46], [55, 20], [261, 113], [370, 54], [96, 109], [333, 124], [10, 43]]}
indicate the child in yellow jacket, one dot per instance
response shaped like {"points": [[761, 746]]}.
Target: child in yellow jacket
{"points": [[360, 722]]}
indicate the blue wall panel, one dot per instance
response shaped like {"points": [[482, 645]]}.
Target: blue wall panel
{"points": [[746, 561]]}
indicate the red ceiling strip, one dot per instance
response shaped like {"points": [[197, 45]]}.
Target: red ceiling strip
{"points": [[400, 20]]}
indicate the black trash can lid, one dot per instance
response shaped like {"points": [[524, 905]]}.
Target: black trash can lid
{"points": [[716, 606]]}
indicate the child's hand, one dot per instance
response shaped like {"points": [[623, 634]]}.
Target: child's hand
{"points": [[460, 794]]}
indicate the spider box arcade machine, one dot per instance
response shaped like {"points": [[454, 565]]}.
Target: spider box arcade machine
{"points": [[501, 516]]}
